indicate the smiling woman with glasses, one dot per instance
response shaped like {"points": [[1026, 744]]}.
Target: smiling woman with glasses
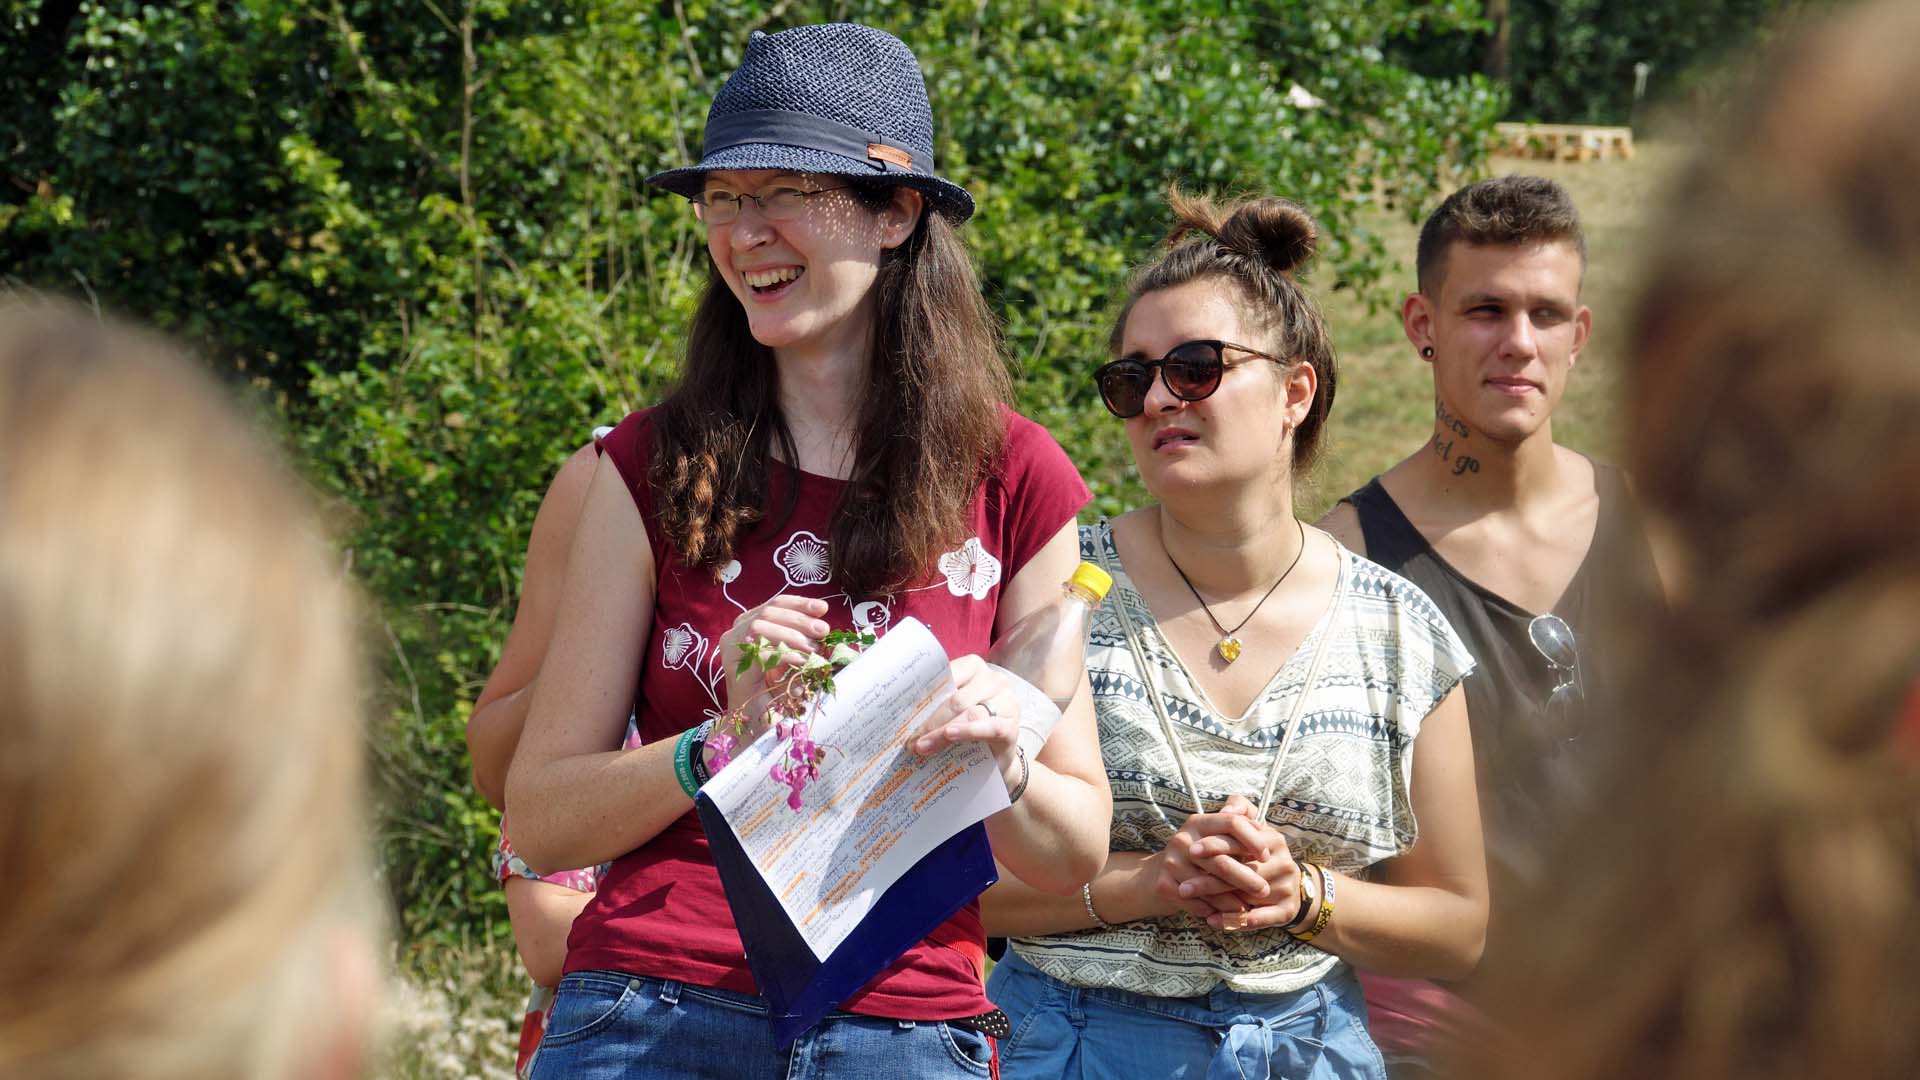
{"points": [[837, 443], [1263, 696]]}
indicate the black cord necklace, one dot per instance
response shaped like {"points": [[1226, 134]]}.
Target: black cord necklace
{"points": [[1229, 645]]}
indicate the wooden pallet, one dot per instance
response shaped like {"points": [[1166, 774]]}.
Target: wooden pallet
{"points": [[1563, 142]]}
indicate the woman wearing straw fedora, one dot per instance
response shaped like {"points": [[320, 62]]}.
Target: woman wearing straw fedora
{"points": [[1275, 712], [836, 455]]}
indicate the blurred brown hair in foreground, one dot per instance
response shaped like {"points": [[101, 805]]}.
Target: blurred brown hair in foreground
{"points": [[1745, 901], [181, 789]]}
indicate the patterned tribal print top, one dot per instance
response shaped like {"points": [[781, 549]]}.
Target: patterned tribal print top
{"points": [[1342, 796]]}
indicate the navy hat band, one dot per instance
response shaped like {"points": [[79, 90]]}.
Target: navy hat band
{"points": [[785, 128]]}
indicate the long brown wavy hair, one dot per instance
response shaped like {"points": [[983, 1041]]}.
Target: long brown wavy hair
{"points": [[932, 402], [1747, 902]]}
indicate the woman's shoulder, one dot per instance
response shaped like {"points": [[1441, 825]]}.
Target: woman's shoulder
{"points": [[640, 420], [629, 446], [630, 440], [1404, 640], [1376, 589], [1405, 629], [1033, 470], [1026, 440]]}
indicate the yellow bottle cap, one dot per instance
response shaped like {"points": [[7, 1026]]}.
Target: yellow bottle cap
{"points": [[1093, 579]]}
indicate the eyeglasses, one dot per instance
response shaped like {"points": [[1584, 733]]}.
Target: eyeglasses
{"points": [[1191, 370], [1552, 638], [780, 204]]}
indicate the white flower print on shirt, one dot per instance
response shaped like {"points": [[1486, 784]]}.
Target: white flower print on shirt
{"points": [[871, 616], [728, 575], [803, 558], [687, 649], [971, 570], [682, 647]]}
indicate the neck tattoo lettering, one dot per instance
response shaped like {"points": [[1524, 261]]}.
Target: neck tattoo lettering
{"points": [[1462, 463]]}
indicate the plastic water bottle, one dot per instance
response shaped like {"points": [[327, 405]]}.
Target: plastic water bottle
{"points": [[1046, 653]]}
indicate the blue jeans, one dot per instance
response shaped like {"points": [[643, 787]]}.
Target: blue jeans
{"points": [[1065, 1032], [605, 1025]]}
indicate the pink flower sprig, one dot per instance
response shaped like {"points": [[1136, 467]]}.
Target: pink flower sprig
{"points": [[789, 704], [804, 754]]}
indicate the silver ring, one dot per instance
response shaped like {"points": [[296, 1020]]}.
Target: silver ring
{"points": [[988, 705]]}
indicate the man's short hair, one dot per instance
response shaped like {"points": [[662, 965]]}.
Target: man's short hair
{"points": [[1503, 211]]}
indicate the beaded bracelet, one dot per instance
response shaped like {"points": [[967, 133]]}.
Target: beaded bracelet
{"points": [[683, 763], [1321, 920], [1086, 897]]}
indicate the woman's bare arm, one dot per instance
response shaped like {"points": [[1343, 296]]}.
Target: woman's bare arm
{"points": [[500, 712], [575, 801], [1055, 837]]}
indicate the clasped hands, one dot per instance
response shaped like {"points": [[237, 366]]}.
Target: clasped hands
{"points": [[1229, 868]]}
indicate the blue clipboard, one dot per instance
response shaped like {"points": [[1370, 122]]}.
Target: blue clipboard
{"points": [[799, 987]]}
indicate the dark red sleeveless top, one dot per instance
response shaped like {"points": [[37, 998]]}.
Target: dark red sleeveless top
{"points": [[660, 910]]}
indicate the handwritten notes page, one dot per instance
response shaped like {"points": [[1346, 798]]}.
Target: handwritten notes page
{"points": [[877, 808]]}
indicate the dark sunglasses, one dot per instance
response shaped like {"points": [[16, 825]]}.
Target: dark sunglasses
{"points": [[1191, 369], [1552, 638]]}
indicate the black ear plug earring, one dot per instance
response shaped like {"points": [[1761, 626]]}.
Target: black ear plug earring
{"points": [[1427, 351]]}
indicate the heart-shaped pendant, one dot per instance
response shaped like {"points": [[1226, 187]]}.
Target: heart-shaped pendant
{"points": [[1229, 649]]}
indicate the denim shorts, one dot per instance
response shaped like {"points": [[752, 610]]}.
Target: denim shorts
{"points": [[606, 1025], [1065, 1032]]}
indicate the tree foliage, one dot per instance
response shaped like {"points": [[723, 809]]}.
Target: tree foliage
{"points": [[422, 233], [1572, 61]]}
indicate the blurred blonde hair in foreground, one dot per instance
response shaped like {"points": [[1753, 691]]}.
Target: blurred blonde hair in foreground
{"points": [[186, 889], [1745, 901]]}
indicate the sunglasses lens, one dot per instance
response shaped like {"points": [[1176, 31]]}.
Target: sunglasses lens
{"points": [[1193, 371], [1563, 712], [1554, 638], [1123, 387]]}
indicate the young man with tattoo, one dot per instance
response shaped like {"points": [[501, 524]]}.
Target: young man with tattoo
{"points": [[1521, 542]]}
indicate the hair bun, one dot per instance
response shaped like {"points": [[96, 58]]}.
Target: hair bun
{"points": [[1277, 232]]}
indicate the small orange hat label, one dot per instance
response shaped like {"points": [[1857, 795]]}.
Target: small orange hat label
{"points": [[883, 152]]}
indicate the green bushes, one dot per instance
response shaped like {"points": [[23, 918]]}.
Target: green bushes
{"points": [[422, 233], [1572, 61]]}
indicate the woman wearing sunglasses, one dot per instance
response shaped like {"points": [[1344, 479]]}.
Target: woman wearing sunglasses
{"points": [[836, 455], [1282, 721]]}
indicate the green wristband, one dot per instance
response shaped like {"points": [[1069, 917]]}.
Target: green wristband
{"points": [[683, 762]]}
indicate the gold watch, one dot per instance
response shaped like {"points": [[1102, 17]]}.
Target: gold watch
{"points": [[1309, 894]]}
